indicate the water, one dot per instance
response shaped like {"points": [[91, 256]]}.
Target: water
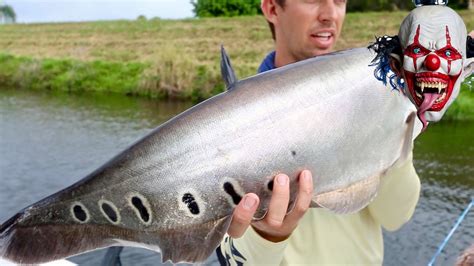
{"points": [[49, 141]]}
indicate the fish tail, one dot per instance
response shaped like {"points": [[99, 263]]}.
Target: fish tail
{"points": [[44, 243]]}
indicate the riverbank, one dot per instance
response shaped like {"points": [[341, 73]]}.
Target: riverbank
{"points": [[160, 58]]}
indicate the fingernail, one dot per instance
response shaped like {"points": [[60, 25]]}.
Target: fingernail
{"points": [[282, 180], [249, 202], [306, 175]]}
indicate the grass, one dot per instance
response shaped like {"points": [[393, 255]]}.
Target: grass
{"points": [[156, 58]]}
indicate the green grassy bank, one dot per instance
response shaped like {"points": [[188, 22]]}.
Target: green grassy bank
{"points": [[161, 58]]}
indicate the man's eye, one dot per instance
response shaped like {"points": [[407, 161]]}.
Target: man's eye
{"points": [[448, 53], [416, 50]]}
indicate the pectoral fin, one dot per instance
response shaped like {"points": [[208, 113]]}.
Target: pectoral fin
{"points": [[349, 199], [407, 142]]}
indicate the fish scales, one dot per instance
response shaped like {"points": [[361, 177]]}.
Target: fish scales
{"points": [[174, 190]]}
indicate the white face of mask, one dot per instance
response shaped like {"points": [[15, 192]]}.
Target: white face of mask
{"points": [[434, 56]]}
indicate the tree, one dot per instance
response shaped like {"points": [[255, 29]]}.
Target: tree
{"points": [[225, 8], [7, 14]]}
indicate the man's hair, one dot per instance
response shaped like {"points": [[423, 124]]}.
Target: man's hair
{"points": [[281, 3]]}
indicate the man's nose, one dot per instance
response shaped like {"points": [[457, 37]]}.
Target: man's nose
{"points": [[327, 11], [432, 62]]}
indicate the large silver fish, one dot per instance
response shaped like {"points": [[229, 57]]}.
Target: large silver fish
{"points": [[174, 190]]}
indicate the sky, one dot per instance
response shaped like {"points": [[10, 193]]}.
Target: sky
{"points": [[32, 11]]}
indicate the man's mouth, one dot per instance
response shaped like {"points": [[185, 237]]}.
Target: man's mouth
{"points": [[322, 35], [323, 39]]}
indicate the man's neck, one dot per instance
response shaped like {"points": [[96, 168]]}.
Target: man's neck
{"points": [[282, 58]]}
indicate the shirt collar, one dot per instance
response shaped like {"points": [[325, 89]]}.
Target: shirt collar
{"points": [[268, 63]]}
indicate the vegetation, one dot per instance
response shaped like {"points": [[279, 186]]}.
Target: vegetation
{"points": [[229, 8], [225, 8], [7, 14], [159, 58], [69, 75]]}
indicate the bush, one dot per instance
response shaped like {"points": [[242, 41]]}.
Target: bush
{"points": [[225, 8]]}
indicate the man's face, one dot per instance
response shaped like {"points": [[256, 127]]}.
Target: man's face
{"points": [[306, 28]]}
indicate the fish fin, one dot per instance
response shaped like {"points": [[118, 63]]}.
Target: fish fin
{"points": [[407, 145], [195, 244], [314, 204], [227, 71], [45, 243], [29, 243], [349, 199]]}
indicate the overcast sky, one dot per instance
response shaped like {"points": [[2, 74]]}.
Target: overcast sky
{"points": [[28, 11]]}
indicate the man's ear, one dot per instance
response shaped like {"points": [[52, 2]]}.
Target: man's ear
{"points": [[396, 65], [269, 10]]}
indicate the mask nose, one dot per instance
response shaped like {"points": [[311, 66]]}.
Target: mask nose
{"points": [[432, 62]]}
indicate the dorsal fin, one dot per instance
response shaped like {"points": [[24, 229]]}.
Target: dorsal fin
{"points": [[226, 69]]}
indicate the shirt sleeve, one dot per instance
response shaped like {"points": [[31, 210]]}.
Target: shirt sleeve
{"points": [[250, 249], [397, 197]]}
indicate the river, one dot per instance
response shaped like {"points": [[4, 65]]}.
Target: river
{"points": [[50, 140]]}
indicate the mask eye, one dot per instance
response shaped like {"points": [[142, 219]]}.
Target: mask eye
{"points": [[447, 53], [416, 50]]}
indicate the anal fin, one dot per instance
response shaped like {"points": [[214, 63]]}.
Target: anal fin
{"points": [[195, 244], [349, 199]]}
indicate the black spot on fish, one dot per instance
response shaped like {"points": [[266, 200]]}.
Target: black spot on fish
{"points": [[190, 201], [270, 185], [79, 213], [142, 210], [109, 211], [229, 188], [293, 153]]}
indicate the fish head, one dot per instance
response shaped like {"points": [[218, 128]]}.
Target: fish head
{"points": [[433, 40]]}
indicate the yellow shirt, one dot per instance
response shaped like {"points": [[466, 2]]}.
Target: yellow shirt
{"points": [[325, 238]]}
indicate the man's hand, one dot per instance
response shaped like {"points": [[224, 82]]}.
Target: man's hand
{"points": [[276, 226]]}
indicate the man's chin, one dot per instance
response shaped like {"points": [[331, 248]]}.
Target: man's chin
{"points": [[321, 51]]}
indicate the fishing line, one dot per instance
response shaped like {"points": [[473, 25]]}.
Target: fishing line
{"points": [[456, 225]]}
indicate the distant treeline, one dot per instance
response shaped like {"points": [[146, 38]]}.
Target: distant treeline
{"points": [[230, 8]]}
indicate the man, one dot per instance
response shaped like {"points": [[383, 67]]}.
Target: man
{"points": [[303, 29]]}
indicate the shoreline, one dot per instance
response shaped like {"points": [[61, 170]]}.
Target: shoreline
{"points": [[159, 59]]}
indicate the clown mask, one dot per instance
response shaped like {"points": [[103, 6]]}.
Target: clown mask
{"points": [[433, 40]]}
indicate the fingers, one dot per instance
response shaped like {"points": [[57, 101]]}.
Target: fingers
{"points": [[279, 201], [276, 225], [304, 197], [243, 215]]}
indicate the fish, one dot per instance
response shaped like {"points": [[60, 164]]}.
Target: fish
{"points": [[174, 190]]}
